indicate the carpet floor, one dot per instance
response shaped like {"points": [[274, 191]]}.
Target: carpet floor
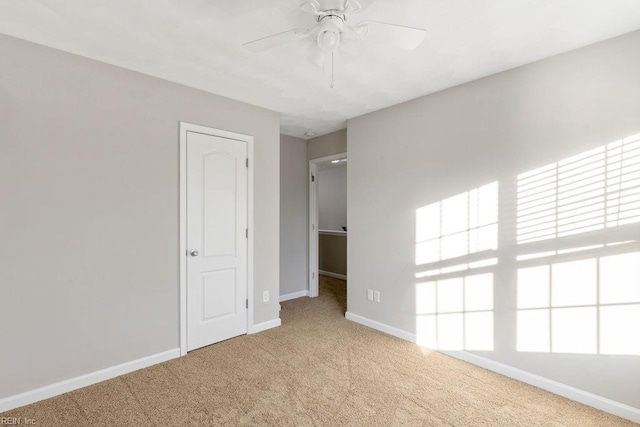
{"points": [[316, 369]]}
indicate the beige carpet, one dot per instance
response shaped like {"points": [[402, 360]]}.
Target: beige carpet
{"points": [[316, 369]]}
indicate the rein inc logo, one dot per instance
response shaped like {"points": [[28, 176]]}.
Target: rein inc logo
{"points": [[16, 421]]}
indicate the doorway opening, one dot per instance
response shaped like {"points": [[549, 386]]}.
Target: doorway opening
{"points": [[328, 229]]}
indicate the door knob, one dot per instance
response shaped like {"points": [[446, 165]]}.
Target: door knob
{"points": [[193, 252]]}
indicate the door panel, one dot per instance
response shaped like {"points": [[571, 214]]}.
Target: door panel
{"points": [[216, 239], [220, 208], [218, 294]]}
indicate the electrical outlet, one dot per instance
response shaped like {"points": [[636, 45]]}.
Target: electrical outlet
{"points": [[265, 296], [376, 296], [370, 294]]}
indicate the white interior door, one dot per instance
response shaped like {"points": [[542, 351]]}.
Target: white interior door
{"points": [[216, 239]]}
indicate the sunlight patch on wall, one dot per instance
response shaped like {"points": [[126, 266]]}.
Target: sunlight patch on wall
{"points": [[456, 313], [457, 268], [575, 295], [588, 306], [460, 225], [590, 191], [545, 254]]}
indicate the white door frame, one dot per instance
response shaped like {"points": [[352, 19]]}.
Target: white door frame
{"points": [[313, 220], [184, 129]]}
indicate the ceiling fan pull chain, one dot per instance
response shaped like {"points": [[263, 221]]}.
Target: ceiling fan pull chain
{"points": [[332, 69]]}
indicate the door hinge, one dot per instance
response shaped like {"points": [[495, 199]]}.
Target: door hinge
{"points": [[313, 227], [313, 178], [247, 303], [247, 162], [313, 275], [246, 233]]}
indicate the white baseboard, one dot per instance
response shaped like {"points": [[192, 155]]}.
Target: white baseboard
{"points": [[584, 397], [334, 275], [381, 327], [589, 399], [71, 384], [265, 325], [294, 295]]}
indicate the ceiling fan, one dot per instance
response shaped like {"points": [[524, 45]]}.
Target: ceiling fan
{"points": [[334, 33]]}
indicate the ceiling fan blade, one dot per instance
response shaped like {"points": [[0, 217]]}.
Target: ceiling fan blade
{"points": [[350, 47], [312, 6], [352, 6], [399, 35], [269, 42]]}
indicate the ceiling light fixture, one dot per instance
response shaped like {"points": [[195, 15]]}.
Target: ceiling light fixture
{"points": [[329, 33], [309, 134], [328, 39], [336, 37]]}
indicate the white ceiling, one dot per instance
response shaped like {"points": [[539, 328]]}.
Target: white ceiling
{"points": [[198, 43]]}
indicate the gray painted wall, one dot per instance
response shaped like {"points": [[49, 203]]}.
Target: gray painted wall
{"points": [[423, 151], [332, 215], [327, 145], [89, 211], [294, 203], [294, 215], [332, 253], [332, 198]]}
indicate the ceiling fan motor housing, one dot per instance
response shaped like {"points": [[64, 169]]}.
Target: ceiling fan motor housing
{"points": [[329, 35]]}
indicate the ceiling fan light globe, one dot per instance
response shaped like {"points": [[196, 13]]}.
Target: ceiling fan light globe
{"points": [[329, 40]]}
